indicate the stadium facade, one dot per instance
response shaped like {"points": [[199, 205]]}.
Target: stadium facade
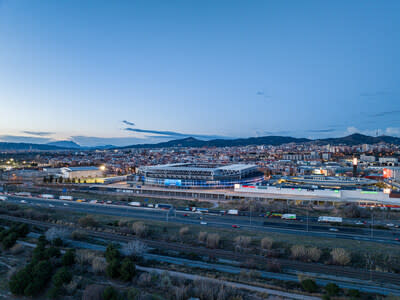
{"points": [[199, 175]]}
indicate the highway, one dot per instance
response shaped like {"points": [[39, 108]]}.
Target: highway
{"points": [[190, 218]]}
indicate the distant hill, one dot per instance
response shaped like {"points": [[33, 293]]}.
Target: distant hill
{"points": [[358, 139], [193, 142], [65, 144], [353, 139], [26, 147]]}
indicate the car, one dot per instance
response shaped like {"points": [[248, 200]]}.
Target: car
{"points": [[235, 226], [51, 205], [359, 223], [186, 215], [397, 239], [390, 225], [23, 201], [333, 229], [65, 204], [203, 223]]}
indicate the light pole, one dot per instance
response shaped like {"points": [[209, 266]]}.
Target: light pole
{"points": [[372, 224], [250, 214], [307, 219]]}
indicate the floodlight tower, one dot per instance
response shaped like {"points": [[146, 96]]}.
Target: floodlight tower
{"points": [[355, 162]]}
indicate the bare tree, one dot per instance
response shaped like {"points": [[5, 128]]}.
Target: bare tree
{"points": [[340, 256], [266, 243], [184, 232], [213, 240], [140, 229], [99, 265], [54, 233], [202, 236], [134, 248]]}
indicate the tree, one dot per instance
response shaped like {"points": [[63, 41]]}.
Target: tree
{"points": [[113, 269], [140, 229], [213, 240], [128, 270], [309, 285], [19, 281], [68, 258], [112, 252], [87, 221], [10, 240], [332, 289], [62, 276], [110, 294], [134, 249], [266, 243]]}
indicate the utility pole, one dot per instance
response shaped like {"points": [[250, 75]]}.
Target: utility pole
{"points": [[372, 224], [307, 219], [167, 215]]}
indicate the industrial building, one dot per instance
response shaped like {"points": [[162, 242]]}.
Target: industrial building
{"points": [[75, 172]]}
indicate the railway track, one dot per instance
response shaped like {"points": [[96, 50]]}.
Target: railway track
{"points": [[285, 264]]}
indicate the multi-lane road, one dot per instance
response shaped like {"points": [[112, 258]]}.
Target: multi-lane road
{"points": [[239, 222]]}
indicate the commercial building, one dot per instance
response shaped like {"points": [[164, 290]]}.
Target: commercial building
{"points": [[198, 174], [75, 172]]}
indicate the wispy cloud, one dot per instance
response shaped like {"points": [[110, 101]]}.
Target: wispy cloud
{"points": [[375, 94], [171, 134], [128, 123], [262, 94], [38, 133], [386, 113], [321, 130]]}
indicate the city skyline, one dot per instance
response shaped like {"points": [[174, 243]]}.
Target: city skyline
{"points": [[144, 72]]}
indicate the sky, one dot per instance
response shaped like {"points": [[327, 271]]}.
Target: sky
{"points": [[125, 72]]}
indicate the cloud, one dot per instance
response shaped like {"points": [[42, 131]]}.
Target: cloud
{"points": [[320, 130], [39, 133], [261, 93], [171, 134], [93, 141], [386, 113], [128, 123], [24, 139]]}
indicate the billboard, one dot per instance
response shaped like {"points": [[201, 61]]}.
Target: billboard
{"points": [[172, 182]]}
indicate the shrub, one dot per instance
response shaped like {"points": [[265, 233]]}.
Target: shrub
{"points": [[314, 254], [298, 252], [10, 240], [68, 258], [128, 270], [140, 229], [19, 281], [309, 285], [55, 292], [133, 294], [340, 256], [55, 233], [16, 249], [266, 243], [52, 252], [78, 235], [84, 256], [183, 232], [332, 289]]}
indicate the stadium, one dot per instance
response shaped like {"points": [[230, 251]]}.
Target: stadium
{"points": [[199, 175]]}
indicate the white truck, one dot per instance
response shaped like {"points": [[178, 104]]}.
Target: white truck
{"points": [[137, 204], [234, 212], [68, 198], [3, 198], [93, 201], [327, 219], [289, 217], [47, 196], [23, 194]]}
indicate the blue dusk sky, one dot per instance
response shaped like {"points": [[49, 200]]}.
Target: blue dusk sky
{"points": [[124, 72]]}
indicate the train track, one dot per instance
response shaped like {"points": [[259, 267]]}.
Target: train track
{"points": [[285, 264]]}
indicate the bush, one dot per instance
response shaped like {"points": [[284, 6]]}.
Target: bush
{"points": [[242, 241], [202, 237], [183, 232], [332, 289], [68, 258], [78, 235], [128, 270], [16, 249], [55, 292], [340, 256], [133, 294], [110, 294], [313, 254], [309, 285], [55, 233], [266, 243], [19, 281], [113, 269], [52, 252]]}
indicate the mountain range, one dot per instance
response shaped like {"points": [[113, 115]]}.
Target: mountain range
{"points": [[350, 140]]}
